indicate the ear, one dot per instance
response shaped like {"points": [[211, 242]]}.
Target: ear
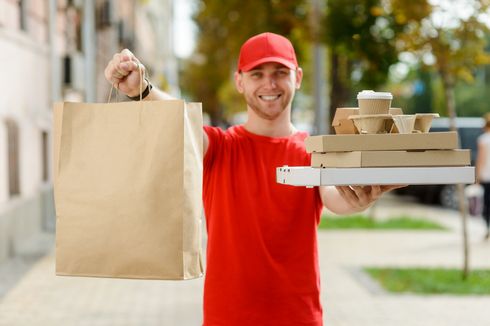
{"points": [[239, 82], [299, 77]]}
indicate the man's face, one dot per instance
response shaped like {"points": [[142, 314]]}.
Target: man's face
{"points": [[269, 88]]}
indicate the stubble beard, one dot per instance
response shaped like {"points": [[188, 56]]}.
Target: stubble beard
{"points": [[256, 107]]}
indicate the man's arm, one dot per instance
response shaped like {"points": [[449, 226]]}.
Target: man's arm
{"points": [[351, 199], [123, 71]]}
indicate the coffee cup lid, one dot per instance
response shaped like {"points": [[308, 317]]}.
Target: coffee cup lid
{"points": [[372, 95]]}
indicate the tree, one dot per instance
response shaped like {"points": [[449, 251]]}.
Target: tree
{"points": [[223, 26], [453, 44], [450, 37], [361, 36]]}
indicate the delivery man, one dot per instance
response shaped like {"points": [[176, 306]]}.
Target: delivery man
{"points": [[262, 258]]}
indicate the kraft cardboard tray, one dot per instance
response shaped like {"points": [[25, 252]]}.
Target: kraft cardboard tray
{"points": [[309, 176], [382, 142]]}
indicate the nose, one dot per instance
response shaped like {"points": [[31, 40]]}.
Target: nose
{"points": [[271, 82]]}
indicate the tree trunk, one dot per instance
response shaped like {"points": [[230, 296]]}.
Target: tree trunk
{"points": [[339, 74], [448, 85], [464, 220], [451, 109], [214, 110]]}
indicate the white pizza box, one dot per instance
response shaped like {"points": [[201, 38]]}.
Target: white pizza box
{"points": [[309, 176]]}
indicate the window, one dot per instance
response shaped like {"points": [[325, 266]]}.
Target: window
{"points": [[13, 157], [104, 15], [67, 70], [22, 15], [44, 158]]}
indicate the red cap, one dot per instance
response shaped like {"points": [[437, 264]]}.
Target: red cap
{"points": [[266, 47]]}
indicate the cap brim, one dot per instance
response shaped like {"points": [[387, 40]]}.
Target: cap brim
{"points": [[282, 61]]}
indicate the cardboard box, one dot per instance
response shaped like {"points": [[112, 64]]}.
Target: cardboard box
{"points": [[310, 177], [391, 158], [342, 125], [382, 142]]}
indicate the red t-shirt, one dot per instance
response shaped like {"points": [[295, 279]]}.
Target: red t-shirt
{"points": [[262, 258]]}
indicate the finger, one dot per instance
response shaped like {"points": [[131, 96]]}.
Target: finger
{"points": [[375, 192], [117, 74], [128, 66], [132, 62], [116, 60], [364, 195], [127, 55], [367, 195], [109, 70], [346, 190], [112, 71], [386, 188], [120, 73], [361, 190], [348, 194], [114, 81]]}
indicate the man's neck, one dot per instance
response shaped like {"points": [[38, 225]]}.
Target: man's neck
{"points": [[280, 127]]}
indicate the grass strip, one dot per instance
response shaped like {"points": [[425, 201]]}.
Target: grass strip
{"points": [[403, 222], [432, 280]]}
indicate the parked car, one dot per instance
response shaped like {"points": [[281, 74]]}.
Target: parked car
{"points": [[468, 130]]}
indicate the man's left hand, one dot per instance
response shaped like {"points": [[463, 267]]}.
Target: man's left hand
{"points": [[360, 197]]}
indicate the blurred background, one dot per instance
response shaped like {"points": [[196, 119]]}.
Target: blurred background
{"points": [[432, 55]]}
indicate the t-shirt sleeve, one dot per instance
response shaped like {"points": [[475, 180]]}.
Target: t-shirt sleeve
{"points": [[484, 139], [215, 137]]}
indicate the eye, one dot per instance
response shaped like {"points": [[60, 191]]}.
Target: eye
{"points": [[256, 74], [283, 72]]}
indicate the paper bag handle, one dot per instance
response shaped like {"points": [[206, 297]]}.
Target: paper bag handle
{"points": [[115, 86]]}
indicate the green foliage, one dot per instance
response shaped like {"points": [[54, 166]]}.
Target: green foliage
{"points": [[362, 36], [470, 101], [432, 280], [453, 44], [364, 33], [364, 222], [223, 26], [365, 38]]}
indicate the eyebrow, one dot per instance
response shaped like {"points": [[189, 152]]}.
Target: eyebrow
{"points": [[277, 66]]}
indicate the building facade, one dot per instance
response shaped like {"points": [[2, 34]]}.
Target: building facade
{"points": [[56, 50]]}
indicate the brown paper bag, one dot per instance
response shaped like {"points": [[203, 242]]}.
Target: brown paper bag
{"points": [[128, 189]]}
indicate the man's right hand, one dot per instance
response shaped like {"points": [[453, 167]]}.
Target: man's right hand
{"points": [[123, 72]]}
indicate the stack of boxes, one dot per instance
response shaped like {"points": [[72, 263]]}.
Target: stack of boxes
{"points": [[375, 135]]}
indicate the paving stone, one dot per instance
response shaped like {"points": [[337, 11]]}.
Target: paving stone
{"points": [[41, 298]]}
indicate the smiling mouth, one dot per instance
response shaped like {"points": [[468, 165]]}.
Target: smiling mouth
{"points": [[269, 97]]}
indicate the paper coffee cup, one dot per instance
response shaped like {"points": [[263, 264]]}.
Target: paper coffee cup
{"points": [[371, 102]]}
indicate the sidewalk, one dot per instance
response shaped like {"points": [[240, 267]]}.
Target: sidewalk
{"points": [[349, 297], [41, 298]]}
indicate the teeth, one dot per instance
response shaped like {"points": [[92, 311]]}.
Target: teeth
{"points": [[269, 97]]}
